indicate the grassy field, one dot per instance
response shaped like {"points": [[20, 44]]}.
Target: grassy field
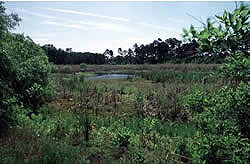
{"points": [[138, 119], [136, 68]]}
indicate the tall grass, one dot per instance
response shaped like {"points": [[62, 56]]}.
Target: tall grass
{"points": [[142, 119]]}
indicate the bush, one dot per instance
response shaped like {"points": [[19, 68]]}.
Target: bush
{"points": [[35, 94], [197, 101], [216, 148], [53, 68], [24, 74], [83, 66], [223, 121], [223, 127], [60, 153], [8, 109], [66, 69], [236, 68]]}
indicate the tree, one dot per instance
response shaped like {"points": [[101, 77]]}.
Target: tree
{"points": [[223, 118], [7, 21], [224, 35], [24, 70], [108, 55], [59, 56]]}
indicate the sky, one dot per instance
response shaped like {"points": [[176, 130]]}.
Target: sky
{"points": [[97, 26]]}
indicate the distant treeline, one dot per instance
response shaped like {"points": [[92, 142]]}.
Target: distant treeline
{"points": [[60, 56], [171, 50]]}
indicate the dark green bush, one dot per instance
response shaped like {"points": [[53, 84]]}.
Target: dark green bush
{"points": [[223, 120], [83, 66], [25, 71], [197, 101], [61, 153], [66, 69], [223, 127], [236, 68]]}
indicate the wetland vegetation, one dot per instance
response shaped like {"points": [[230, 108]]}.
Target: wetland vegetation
{"points": [[162, 113]]}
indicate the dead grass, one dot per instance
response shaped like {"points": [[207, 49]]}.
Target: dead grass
{"points": [[142, 67]]}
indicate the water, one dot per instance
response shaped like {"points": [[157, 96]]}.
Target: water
{"points": [[109, 76]]}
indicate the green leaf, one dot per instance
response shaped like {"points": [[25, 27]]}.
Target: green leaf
{"points": [[236, 12], [185, 32], [232, 18], [244, 13], [225, 14], [204, 34], [219, 17], [192, 30], [239, 25]]}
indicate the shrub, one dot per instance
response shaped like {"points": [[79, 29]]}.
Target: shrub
{"points": [[236, 68], [223, 122], [83, 66], [60, 153], [24, 73], [197, 101], [223, 127], [224, 38], [35, 94], [53, 68], [66, 69], [8, 108]]}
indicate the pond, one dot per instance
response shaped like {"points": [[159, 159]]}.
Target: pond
{"points": [[110, 76]]}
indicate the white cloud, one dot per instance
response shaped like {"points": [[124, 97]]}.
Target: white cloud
{"points": [[155, 26], [175, 21], [106, 26], [57, 21], [88, 14], [67, 25], [35, 14], [87, 25]]}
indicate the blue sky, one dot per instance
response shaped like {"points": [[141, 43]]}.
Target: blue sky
{"points": [[97, 26]]}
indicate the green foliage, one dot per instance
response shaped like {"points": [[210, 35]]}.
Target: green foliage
{"points": [[8, 109], [57, 126], [83, 66], [35, 95], [220, 149], [147, 140], [197, 101], [222, 118], [116, 134], [24, 148], [53, 68], [7, 21], [242, 99], [61, 153], [236, 68], [168, 76], [60, 56], [24, 69], [224, 35], [223, 126], [122, 136], [85, 124], [66, 69]]}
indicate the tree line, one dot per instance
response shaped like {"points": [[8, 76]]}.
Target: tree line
{"points": [[60, 56], [221, 36], [159, 51], [170, 50]]}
